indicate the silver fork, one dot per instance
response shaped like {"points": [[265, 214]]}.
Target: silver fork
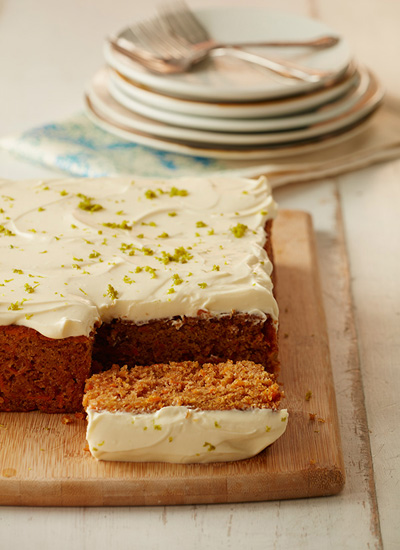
{"points": [[175, 40]]}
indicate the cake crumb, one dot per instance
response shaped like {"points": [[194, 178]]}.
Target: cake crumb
{"points": [[308, 395], [312, 416], [67, 420]]}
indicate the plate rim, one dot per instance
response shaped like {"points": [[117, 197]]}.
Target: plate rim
{"points": [[199, 137], [250, 154], [321, 114], [250, 109]]}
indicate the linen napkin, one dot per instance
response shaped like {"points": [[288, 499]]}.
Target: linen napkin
{"points": [[78, 147]]}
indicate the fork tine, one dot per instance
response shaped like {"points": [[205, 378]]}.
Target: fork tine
{"points": [[184, 23], [153, 36]]}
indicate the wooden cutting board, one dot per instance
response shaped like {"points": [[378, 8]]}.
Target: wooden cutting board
{"points": [[44, 462]]}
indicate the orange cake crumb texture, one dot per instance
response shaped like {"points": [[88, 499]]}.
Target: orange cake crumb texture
{"points": [[223, 386]]}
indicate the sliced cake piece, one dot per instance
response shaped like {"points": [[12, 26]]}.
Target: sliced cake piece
{"points": [[183, 412]]}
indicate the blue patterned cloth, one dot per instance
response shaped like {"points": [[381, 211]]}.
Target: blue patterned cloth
{"points": [[80, 148]]}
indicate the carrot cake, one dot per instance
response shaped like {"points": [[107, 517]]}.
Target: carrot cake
{"points": [[105, 271], [183, 412]]}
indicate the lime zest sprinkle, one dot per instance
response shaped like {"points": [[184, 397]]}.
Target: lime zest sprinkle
{"points": [[178, 192], [210, 446], [6, 232], [87, 204], [150, 270], [29, 288], [176, 280], [150, 194], [111, 292], [16, 305], [239, 230], [123, 225], [181, 255]]}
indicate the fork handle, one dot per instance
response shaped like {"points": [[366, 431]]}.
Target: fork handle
{"points": [[326, 41], [282, 67]]}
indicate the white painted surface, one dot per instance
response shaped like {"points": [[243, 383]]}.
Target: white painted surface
{"points": [[48, 50]]}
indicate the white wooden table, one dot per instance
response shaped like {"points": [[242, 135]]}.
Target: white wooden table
{"points": [[48, 51]]}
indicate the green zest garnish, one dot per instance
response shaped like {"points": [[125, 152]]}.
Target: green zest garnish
{"points": [[127, 249], [111, 292], [202, 285], [178, 192], [16, 306], [149, 194], [181, 256], [239, 230], [29, 288], [6, 232], [201, 224], [150, 270], [163, 235], [86, 204], [210, 446], [176, 279], [123, 225]]}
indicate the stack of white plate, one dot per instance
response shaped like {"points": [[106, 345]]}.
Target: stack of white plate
{"points": [[229, 108]]}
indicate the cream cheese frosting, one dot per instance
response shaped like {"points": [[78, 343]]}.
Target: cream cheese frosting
{"points": [[183, 435], [77, 252]]}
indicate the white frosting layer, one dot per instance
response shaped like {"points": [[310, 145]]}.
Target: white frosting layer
{"points": [[181, 435], [62, 270]]}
